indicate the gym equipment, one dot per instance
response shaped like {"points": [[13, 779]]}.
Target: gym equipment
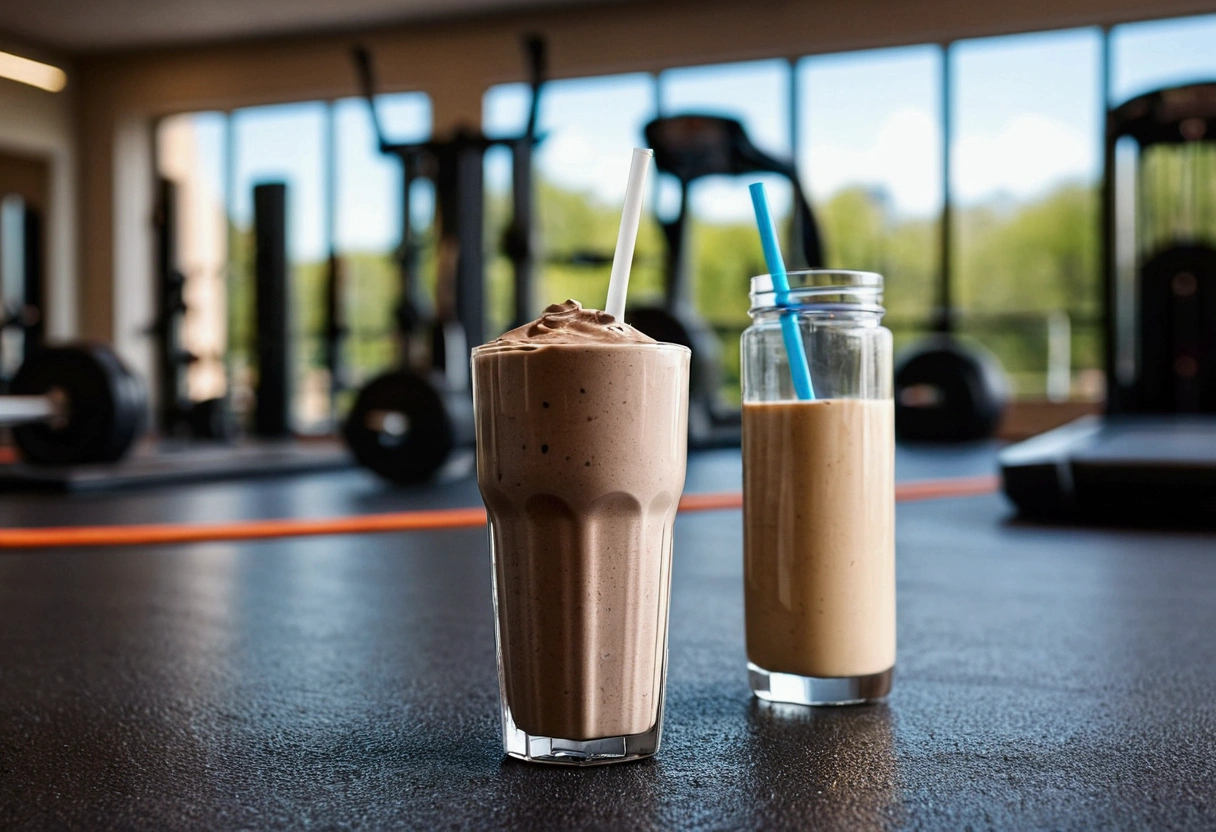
{"points": [[1159, 252], [72, 405], [172, 358], [178, 463], [1177, 322], [178, 415], [405, 424], [690, 147], [947, 390], [1140, 469], [517, 241], [272, 419], [408, 425], [334, 330], [1152, 456]]}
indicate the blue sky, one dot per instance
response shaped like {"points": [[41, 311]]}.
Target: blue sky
{"points": [[1027, 115]]}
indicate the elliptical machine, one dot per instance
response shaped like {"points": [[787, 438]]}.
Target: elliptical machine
{"points": [[406, 423], [690, 147]]}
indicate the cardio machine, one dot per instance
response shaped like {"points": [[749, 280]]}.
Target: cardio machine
{"points": [[1152, 455], [690, 147], [405, 424]]}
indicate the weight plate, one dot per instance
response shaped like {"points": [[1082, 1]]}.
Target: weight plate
{"points": [[946, 391], [106, 406], [211, 419], [401, 427]]}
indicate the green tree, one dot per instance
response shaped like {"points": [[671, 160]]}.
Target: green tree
{"points": [[1014, 264], [1017, 265]]}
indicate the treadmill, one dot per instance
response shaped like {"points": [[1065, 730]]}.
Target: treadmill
{"points": [[689, 147], [1151, 458]]}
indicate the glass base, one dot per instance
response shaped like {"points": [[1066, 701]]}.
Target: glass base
{"points": [[809, 690], [524, 746]]}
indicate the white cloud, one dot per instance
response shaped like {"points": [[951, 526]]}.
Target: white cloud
{"points": [[718, 199], [904, 160], [1030, 155], [572, 158]]}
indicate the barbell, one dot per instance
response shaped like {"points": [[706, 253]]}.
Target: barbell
{"points": [[72, 405]]}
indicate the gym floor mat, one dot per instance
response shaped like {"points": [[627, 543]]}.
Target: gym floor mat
{"points": [[168, 465], [402, 521]]}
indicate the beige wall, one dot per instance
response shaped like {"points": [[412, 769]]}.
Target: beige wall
{"points": [[41, 124], [454, 62]]}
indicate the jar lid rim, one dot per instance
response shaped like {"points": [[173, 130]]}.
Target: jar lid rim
{"points": [[832, 309], [848, 280]]}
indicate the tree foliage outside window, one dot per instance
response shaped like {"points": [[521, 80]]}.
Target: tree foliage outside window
{"points": [[1021, 255]]}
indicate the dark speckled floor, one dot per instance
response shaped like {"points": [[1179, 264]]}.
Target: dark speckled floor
{"points": [[1048, 678]]}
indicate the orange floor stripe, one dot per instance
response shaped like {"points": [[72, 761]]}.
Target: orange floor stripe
{"points": [[401, 521], [915, 490]]}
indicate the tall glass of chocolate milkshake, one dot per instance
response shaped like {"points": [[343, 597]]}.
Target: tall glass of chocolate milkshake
{"points": [[819, 493], [581, 446]]}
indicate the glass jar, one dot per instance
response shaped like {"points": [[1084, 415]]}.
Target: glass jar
{"points": [[819, 491]]}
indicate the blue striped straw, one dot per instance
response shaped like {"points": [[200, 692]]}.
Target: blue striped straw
{"points": [[781, 285]]}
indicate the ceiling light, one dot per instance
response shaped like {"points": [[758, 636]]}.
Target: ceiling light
{"points": [[34, 73]]}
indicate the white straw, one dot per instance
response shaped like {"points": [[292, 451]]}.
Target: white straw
{"points": [[631, 217]]}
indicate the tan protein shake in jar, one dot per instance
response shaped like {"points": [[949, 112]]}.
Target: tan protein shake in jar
{"points": [[819, 495], [581, 447]]}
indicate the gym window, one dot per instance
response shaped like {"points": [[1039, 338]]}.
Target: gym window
{"points": [[341, 194], [865, 128]]}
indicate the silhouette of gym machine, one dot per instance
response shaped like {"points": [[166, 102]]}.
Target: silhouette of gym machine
{"points": [[406, 423], [1152, 456], [690, 147]]}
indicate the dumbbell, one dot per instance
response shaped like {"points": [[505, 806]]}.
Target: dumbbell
{"points": [[76, 404], [404, 426]]}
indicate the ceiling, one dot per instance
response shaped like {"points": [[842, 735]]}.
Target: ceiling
{"points": [[97, 25]]}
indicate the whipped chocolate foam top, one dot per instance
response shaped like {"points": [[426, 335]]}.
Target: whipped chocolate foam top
{"points": [[570, 324]]}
